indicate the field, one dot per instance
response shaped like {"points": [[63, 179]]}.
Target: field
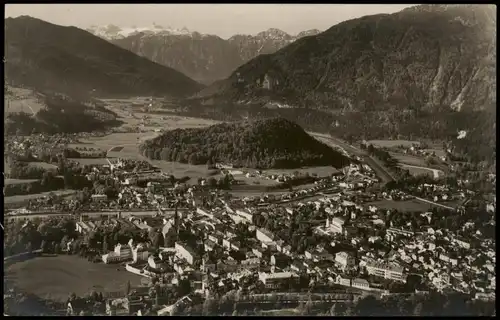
{"points": [[20, 199], [43, 165], [320, 171], [415, 171], [409, 159], [392, 143], [22, 100], [19, 181], [90, 161], [409, 205], [58, 276]]}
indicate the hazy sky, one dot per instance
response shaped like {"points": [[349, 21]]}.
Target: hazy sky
{"points": [[223, 20]]}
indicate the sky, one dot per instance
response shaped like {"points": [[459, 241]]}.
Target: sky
{"points": [[223, 20]]}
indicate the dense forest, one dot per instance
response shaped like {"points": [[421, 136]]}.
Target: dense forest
{"points": [[269, 143]]}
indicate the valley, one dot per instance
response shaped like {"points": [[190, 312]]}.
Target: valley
{"points": [[344, 172]]}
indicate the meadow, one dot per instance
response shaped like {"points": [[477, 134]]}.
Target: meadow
{"points": [[55, 277]]}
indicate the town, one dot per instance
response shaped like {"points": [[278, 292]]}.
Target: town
{"points": [[196, 243]]}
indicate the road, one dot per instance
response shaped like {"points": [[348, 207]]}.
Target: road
{"points": [[375, 164], [379, 169], [434, 203]]}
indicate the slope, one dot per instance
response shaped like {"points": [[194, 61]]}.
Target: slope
{"points": [[66, 59], [418, 59]]}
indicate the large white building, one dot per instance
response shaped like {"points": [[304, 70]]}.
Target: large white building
{"points": [[344, 260], [264, 236], [391, 272], [336, 225], [121, 253], [277, 280]]}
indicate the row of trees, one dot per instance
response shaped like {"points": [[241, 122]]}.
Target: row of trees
{"points": [[433, 304]]}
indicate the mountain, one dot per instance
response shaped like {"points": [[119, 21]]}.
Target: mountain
{"points": [[112, 32], [421, 58], [426, 72], [205, 58], [269, 143], [68, 60]]}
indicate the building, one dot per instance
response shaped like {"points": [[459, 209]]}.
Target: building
{"points": [[280, 260], [139, 253], [462, 243], [441, 281], [82, 227], [395, 232], [244, 214], [185, 252], [391, 272], [99, 197], [344, 260], [336, 225], [123, 251], [360, 284], [264, 235], [156, 263], [112, 257], [278, 280]]}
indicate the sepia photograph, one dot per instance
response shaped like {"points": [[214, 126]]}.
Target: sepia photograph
{"points": [[249, 160]]}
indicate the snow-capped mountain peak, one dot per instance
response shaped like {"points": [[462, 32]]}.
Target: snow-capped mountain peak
{"points": [[274, 34], [112, 32]]}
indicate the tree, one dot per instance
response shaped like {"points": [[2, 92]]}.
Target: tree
{"points": [[212, 183], [209, 307], [105, 245], [210, 164]]}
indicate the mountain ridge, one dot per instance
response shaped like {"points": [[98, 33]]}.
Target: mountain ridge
{"points": [[64, 59], [432, 56]]}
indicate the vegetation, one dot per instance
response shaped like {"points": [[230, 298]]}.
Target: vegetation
{"points": [[61, 115], [271, 143], [354, 126]]}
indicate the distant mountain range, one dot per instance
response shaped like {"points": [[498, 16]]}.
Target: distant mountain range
{"points": [[205, 58], [69, 60]]}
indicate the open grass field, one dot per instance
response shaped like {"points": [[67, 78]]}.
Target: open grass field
{"points": [[323, 171], [21, 199], [21, 100], [58, 276], [409, 159], [19, 181], [43, 165], [410, 205], [414, 171], [392, 143], [90, 161], [437, 151]]}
